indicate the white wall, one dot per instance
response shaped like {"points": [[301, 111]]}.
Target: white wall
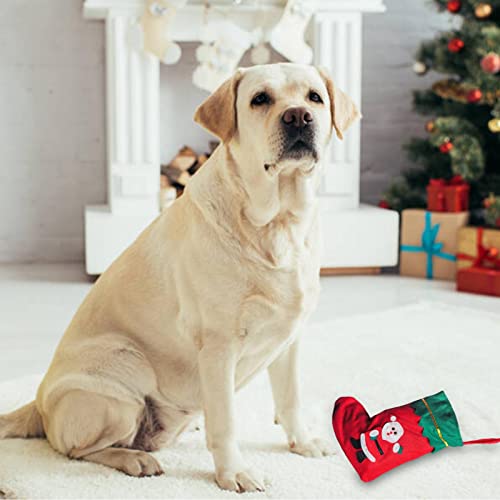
{"points": [[51, 127], [389, 44], [52, 145]]}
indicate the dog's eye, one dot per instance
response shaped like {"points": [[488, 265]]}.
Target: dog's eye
{"points": [[315, 97], [260, 99]]}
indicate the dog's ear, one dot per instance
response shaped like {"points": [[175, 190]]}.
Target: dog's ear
{"points": [[344, 111], [217, 113]]}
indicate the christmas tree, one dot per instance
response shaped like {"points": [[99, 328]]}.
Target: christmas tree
{"points": [[463, 129]]}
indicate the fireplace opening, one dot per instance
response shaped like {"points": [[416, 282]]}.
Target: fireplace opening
{"points": [[184, 145]]}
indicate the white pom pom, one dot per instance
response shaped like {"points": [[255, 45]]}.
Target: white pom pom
{"points": [[202, 78], [173, 54]]}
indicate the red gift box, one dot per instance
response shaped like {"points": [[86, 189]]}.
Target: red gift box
{"points": [[479, 280], [448, 196], [484, 274]]}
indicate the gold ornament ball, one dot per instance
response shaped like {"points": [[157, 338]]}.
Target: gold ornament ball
{"points": [[483, 10], [494, 125], [430, 126]]}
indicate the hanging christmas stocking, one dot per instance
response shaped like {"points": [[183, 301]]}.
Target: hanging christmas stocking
{"points": [[287, 37], [223, 46], [377, 444], [152, 32]]}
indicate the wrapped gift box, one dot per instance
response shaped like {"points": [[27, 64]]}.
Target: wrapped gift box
{"points": [[483, 280], [429, 243], [448, 196], [478, 247], [478, 260]]}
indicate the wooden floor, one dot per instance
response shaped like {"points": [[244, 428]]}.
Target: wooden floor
{"points": [[349, 271]]}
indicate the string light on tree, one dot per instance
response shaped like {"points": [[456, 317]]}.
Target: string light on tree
{"points": [[494, 125], [420, 68], [456, 45], [454, 6], [474, 95], [483, 10], [430, 126], [492, 253]]}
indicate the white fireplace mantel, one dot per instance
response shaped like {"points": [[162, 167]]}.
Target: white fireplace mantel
{"points": [[99, 9], [355, 235]]}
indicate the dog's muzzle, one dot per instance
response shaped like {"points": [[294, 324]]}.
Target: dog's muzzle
{"points": [[299, 133]]}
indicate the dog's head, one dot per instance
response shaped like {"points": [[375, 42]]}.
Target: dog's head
{"points": [[279, 115]]}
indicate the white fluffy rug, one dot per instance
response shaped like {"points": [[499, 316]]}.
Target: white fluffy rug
{"points": [[383, 359]]}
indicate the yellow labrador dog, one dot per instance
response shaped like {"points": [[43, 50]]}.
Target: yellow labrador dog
{"points": [[210, 294]]}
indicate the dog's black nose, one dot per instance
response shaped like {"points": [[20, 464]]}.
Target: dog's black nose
{"points": [[297, 117]]}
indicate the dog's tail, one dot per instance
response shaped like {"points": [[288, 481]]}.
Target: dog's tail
{"points": [[25, 422]]}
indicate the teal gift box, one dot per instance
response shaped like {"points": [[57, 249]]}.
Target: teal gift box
{"points": [[429, 243]]}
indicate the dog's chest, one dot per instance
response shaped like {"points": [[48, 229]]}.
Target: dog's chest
{"points": [[284, 297], [270, 321], [285, 244]]}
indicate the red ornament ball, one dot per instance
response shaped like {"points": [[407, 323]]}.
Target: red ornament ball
{"points": [[454, 5], [456, 45], [446, 147], [491, 63], [474, 95], [383, 204]]}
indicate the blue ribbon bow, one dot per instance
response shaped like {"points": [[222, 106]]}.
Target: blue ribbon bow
{"points": [[430, 246]]}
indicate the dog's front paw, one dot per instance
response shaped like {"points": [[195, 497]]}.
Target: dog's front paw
{"points": [[312, 448], [246, 480]]}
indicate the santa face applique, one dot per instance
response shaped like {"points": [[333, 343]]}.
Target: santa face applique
{"points": [[374, 444], [377, 442]]}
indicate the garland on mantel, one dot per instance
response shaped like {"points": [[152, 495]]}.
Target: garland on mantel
{"points": [[223, 42]]}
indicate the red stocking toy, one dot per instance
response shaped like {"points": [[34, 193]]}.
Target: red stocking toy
{"points": [[377, 444]]}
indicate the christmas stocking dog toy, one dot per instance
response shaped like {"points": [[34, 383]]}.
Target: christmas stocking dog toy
{"points": [[287, 37], [377, 444]]}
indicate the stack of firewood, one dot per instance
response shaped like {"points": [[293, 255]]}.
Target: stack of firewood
{"points": [[176, 174]]}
